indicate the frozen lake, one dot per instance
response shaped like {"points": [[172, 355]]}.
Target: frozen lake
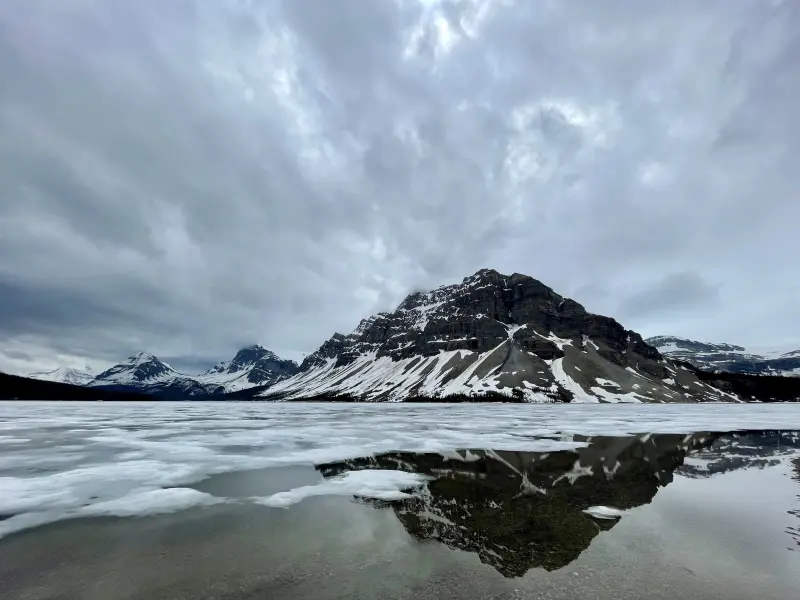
{"points": [[251, 500]]}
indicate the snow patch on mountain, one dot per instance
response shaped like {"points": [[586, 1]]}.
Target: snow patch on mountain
{"points": [[66, 375]]}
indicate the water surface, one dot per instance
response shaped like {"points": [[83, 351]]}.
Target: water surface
{"points": [[240, 501]]}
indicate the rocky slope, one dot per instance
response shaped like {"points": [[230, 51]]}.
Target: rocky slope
{"points": [[728, 357], [66, 375], [492, 335]]}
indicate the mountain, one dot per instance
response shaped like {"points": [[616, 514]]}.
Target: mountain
{"points": [[492, 336], [728, 357], [65, 375], [748, 386], [144, 372], [14, 387], [253, 366]]}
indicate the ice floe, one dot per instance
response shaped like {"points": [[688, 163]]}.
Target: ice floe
{"points": [[375, 484]]}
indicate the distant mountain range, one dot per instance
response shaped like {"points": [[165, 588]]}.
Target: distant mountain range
{"points": [[65, 375], [14, 387], [253, 366], [728, 357], [490, 337]]}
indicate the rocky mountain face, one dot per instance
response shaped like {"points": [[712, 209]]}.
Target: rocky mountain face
{"points": [[66, 375], [251, 367], [728, 358], [492, 335]]}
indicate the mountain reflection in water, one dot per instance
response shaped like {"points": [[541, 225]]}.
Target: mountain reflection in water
{"points": [[794, 530], [524, 510]]}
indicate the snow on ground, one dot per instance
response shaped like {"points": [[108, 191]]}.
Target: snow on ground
{"points": [[579, 394], [374, 377], [231, 382], [62, 460]]}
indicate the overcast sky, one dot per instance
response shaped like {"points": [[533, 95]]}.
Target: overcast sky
{"points": [[189, 176]]}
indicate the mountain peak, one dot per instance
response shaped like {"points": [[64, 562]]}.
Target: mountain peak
{"points": [[142, 357], [483, 275], [138, 368], [254, 348], [252, 366], [250, 354]]}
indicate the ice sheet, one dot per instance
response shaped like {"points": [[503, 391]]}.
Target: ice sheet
{"points": [[150, 502], [64, 459], [604, 512], [373, 483]]}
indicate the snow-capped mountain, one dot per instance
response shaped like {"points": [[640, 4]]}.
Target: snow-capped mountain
{"points": [[145, 372], [492, 335], [66, 375], [254, 366], [251, 367], [137, 369], [728, 357]]}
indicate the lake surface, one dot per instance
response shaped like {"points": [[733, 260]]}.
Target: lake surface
{"points": [[243, 500]]}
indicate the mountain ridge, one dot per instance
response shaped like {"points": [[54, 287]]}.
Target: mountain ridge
{"points": [[730, 358], [251, 367], [491, 337], [65, 375]]}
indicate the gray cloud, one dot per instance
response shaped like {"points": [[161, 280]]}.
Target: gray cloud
{"points": [[677, 292], [188, 177]]}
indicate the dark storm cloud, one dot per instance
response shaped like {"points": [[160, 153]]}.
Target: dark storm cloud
{"points": [[188, 177]]}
